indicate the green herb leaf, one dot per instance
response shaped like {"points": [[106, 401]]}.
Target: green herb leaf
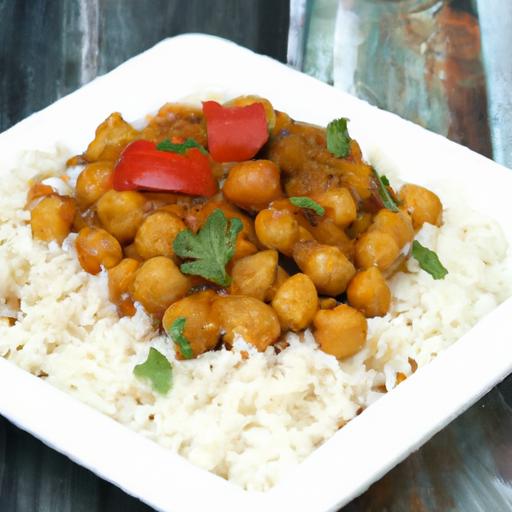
{"points": [[384, 194], [428, 260], [212, 248], [338, 139], [167, 145], [385, 181], [306, 202], [176, 332], [156, 369]]}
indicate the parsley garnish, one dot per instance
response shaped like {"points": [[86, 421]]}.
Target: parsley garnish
{"points": [[212, 248], [176, 333], [306, 202], [157, 369], [167, 145], [387, 200], [428, 260], [338, 139]]}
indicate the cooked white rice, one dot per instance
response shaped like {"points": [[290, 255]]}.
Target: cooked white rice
{"points": [[246, 420]]}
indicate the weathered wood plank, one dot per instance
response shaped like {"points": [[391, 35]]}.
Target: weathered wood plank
{"points": [[50, 48]]}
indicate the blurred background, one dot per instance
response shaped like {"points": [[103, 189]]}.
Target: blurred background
{"points": [[444, 64]]}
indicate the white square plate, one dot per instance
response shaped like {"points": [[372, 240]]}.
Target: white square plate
{"points": [[369, 445]]}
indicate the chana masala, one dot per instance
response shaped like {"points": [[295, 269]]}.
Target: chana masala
{"points": [[236, 220]]}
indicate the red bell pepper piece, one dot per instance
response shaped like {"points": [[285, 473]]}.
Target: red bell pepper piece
{"points": [[142, 166], [235, 133]]}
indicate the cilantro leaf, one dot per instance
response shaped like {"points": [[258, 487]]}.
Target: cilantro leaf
{"points": [[211, 248], [385, 181], [428, 260], [338, 139], [306, 202], [176, 333], [167, 145], [157, 369], [384, 194]]}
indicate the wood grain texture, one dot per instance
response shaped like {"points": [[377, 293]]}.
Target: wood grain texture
{"points": [[467, 467], [37, 479], [49, 48]]}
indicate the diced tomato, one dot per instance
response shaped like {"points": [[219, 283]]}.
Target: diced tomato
{"points": [[142, 166], [235, 133]]}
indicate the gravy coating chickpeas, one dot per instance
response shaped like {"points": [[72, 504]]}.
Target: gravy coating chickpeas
{"points": [[249, 232]]}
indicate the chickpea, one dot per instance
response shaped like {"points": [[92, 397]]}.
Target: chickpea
{"points": [[254, 275], [36, 191], [360, 225], [110, 139], [422, 204], [281, 277], [201, 327], [121, 213], [340, 331], [397, 224], [339, 205], [305, 227], [95, 248], [131, 252], [197, 217], [277, 229], [157, 233], [376, 249], [327, 232], [329, 269], [327, 303], [83, 219], [304, 234], [158, 283], [296, 302], [252, 185], [93, 182], [52, 217], [243, 248], [120, 278], [248, 317], [283, 122], [369, 293]]}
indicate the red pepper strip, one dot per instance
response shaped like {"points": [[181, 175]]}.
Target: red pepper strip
{"points": [[235, 133], [142, 166]]}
